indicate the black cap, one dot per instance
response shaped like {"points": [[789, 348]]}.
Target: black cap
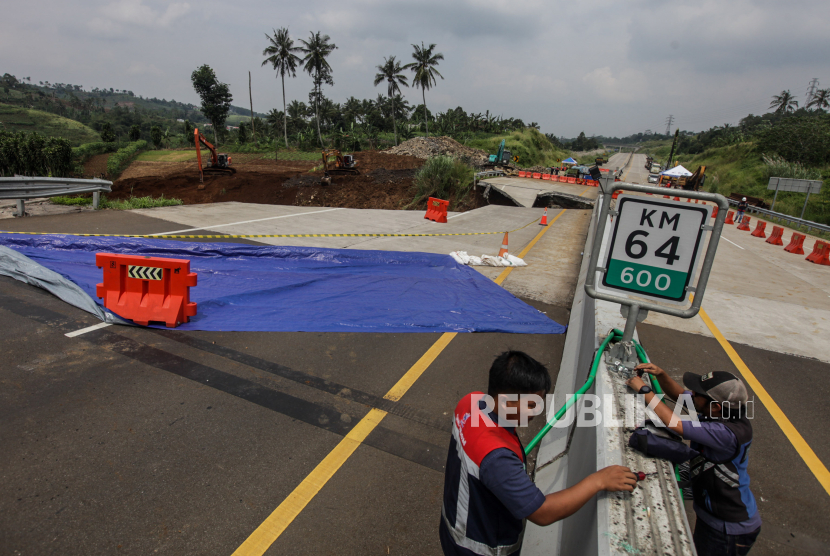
{"points": [[721, 386]]}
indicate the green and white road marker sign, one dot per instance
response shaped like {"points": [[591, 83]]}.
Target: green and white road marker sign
{"points": [[655, 246]]}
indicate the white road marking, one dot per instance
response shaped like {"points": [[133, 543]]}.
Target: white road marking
{"points": [[733, 243], [87, 329], [243, 222]]}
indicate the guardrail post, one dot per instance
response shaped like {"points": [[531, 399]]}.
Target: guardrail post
{"points": [[96, 199], [21, 208]]}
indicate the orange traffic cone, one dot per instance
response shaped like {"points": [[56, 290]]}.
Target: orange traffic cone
{"points": [[503, 250], [544, 221]]}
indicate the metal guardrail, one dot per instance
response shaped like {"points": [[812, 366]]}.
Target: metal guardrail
{"points": [[489, 174], [792, 220], [24, 187]]}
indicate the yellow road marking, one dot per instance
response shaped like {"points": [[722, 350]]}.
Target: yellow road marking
{"points": [[506, 272], [269, 530], [818, 469]]}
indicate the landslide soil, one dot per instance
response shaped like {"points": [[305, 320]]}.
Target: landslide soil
{"points": [[385, 182]]}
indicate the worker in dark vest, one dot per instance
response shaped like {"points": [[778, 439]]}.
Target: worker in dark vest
{"points": [[487, 492], [741, 209], [728, 522]]}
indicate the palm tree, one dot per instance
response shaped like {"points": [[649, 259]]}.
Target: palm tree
{"points": [[390, 72], [821, 99], [425, 72], [282, 58], [784, 103], [316, 50]]}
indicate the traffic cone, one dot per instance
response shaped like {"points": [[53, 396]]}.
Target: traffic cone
{"points": [[503, 250], [544, 221]]}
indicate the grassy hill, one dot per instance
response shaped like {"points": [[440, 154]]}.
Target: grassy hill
{"points": [[741, 169], [14, 118], [532, 148]]}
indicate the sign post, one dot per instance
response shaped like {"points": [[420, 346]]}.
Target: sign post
{"points": [[654, 251]]}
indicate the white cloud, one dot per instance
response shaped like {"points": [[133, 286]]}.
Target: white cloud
{"points": [[135, 12]]}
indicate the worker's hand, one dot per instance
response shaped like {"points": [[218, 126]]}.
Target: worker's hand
{"points": [[649, 368], [635, 383], [615, 478]]}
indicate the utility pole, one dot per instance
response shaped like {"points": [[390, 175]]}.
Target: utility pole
{"points": [[251, 98], [669, 122], [812, 90]]}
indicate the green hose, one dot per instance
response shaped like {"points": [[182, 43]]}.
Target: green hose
{"points": [[615, 334], [588, 383]]}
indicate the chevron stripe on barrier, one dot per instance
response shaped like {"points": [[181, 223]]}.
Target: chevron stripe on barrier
{"points": [[145, 272]]}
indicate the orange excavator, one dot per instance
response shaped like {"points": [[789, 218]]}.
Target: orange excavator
{"points": [[342, 165], [219, 163]]}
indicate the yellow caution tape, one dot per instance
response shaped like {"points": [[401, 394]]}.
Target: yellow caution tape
{"points": [[240, 236]]}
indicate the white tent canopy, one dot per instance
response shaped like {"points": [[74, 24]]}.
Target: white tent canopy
{"points": [[676, 172]]}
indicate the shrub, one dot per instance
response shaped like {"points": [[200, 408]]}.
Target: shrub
{"points": [[799, 139], [135, 133], [443, 177], [122, 157], [115, 204], [33, 155], [777, 167], [155, 135], [107, 134]]}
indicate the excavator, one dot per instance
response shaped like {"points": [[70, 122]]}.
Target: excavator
{"points": [[219, 163], [343, 165], [502, 158], [695, 181]]}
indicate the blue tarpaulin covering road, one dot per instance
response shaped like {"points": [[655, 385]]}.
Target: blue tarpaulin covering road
{"points": [[263, 288]]}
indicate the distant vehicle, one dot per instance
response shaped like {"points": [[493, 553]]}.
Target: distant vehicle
{"points": [[655, 168], [653, 178]]}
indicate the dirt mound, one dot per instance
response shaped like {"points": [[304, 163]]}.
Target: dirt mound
{"points": [[96, 166], [385, 182], [426, 147]]}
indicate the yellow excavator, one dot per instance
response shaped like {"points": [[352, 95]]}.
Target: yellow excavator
{"points": [[342, 165]]}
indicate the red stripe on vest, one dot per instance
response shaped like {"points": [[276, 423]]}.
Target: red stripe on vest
{"points": [[478, 441]]}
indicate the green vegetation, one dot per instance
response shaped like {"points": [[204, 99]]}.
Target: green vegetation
{"points": [[115, 204], [30, 154], [443, 177], [216, 97], [122, 158], [15, 118], [532, 148]]}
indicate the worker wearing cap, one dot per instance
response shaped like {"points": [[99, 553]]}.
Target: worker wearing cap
{"points": [[728, 522], [488, 494], [741, 208]]}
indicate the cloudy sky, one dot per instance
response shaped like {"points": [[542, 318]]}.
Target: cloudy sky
{"points": [[599, 66]]}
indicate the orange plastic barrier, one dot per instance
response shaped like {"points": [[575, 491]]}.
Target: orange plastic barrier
{"points": [[775, 236], [537, 176], [545, 176], [666, 197], [823, 257], [616, 194], [729, 216], [760, 226], [522, 173], [676, 199], [437, 210], [147, 289], [715, 212], [744, 225], [796, 245], [571, 180], [820, 254]]}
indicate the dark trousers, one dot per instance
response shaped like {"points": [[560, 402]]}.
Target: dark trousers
{"points": [[713, 542]]}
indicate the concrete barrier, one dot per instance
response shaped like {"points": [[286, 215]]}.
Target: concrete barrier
{"points": [[610, 523]]}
